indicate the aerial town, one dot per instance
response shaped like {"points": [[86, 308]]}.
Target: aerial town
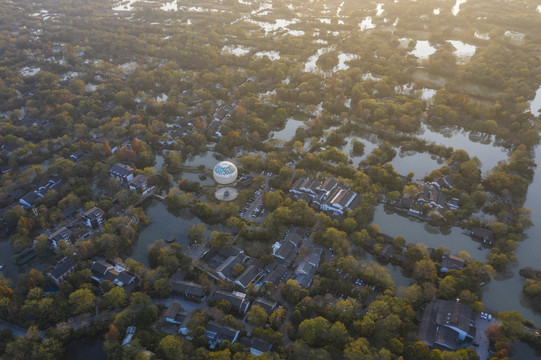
{"points": [[267, 179]]}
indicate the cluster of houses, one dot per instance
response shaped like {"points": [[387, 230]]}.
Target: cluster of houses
{"points": [[326, 195], [430, 193], [114, 271], [181, 128], [223, 113], [175, 320], [80, 228], [235, 266], [125, 175], [30, 198]]}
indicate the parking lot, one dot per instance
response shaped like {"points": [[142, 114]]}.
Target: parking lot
{"points": [[253, 210], [481, 324]]}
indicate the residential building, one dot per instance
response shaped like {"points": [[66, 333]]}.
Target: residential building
{"points": [[216, 333], [116, 273], [250, 275], [238, 300], [267, 305], [190, 290], [94, 217], [486, 236], [451, 262], [446, 325], [139, 184], [61, 234], [121, 172], [62, 269], [30, 199]]}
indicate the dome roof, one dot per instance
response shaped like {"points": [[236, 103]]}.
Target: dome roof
{"points": [[225, 172]]}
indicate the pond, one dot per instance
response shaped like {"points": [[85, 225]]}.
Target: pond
{"points": [[423, 49], [489, 154], [163, 224], [463, 51], [456, 7], [369, 146], [420, 164], [343, 59], [367, 24], [237, 50], [288, 132], [209, 159], [506, 294], [535, 104], [272, 55], [416, 231], [310, 64]]}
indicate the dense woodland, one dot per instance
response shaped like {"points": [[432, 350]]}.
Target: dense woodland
{"points": [[78, 75]]}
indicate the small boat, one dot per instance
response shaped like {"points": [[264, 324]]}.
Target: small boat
{"points": [[1, 267]]}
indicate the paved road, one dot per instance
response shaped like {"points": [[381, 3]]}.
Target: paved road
{"points": [[16, 330], [480, 337]]}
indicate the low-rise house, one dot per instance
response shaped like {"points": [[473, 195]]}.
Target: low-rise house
{"points": [[61, 270], [216, 333], [30, 199], [116, 273], [139, 184], [486, 236], [250, 275], [121, 172], [225, 270], [62, 234], [451, 262], [260, 346], [175, 316], [285, 250], [446, 325], [78, 156], [190, 290], [238, 300], [305, 274], [276, 272], [267, 305], [339, 200], [93, 217]]}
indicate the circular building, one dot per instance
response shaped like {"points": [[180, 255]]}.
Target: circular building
{"points": [[225, 173], [226, 193]]}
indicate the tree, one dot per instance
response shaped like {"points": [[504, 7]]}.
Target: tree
{"points": [[170, 348], [81, 301], [425, 270], [338, 335], [116, 297], [313, 331], [196, 232], [257, 316], [358, 349]]}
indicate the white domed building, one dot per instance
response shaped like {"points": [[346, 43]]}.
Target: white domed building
{"points": [[225, 173]]}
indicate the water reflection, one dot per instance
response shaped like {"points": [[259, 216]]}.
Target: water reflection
{"points": [[288, 132], [416, 231], [485, 151]]}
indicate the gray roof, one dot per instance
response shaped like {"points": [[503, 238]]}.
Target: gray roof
{"points": [[249, 275], [121, 170], [94, 213], [62, 267], [188, 288]]}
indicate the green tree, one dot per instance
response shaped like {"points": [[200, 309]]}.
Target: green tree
{"points": [[313, 331], [116, 297], [170, 348], [81, 301], [257, 316]]}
